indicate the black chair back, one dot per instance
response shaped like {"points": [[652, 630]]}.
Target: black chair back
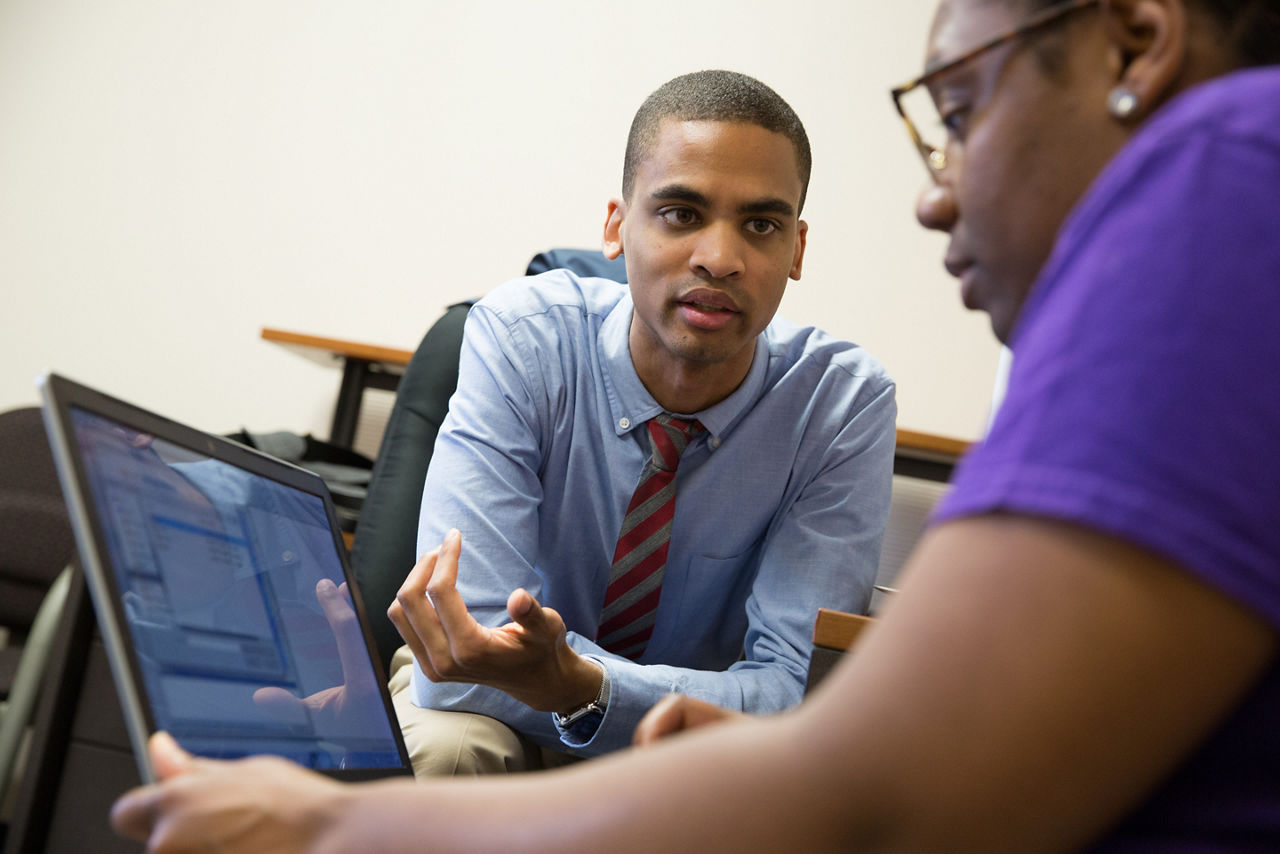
{"points": [[35, 536]]}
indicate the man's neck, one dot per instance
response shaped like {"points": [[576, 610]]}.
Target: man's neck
{"points": [[692, 387]]}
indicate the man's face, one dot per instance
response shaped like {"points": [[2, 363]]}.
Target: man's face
{"points": [[711, 233], [1022, 148]]}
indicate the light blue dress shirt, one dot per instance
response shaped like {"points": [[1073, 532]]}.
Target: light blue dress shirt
{"points": [[780, 505]]}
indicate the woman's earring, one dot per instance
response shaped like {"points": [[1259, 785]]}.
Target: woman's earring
{"points": [[1122, 102]]}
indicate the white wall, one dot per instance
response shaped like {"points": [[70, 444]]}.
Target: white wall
{"points": [[176, 174]]}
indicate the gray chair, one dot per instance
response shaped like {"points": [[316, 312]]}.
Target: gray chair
{"points": [[35, 546], [386, 536], [15, 712]]}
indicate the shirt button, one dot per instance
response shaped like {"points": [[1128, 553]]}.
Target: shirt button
{"points": [[624, 423], [715, 442]]}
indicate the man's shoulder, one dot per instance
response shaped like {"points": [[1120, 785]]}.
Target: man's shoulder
{"points": [[552, 291], [792, 345]]}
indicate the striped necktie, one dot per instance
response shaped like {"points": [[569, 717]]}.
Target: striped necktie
{"points": [[635, 581]]}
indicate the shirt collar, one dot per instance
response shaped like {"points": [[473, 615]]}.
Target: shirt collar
{"points": [[631, 404]]}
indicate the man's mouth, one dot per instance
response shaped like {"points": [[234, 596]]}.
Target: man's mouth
{"points": [[703, 306], [705, 299], [707, 309]]}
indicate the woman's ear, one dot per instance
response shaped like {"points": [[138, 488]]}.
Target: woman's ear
{"points": [[1148, 53]]}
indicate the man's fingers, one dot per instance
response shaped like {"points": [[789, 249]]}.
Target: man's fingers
{"points": [[415, 617], [542, 624], [442, 590], [523, 608], [421, 573], [397, 616], [411, 598]]}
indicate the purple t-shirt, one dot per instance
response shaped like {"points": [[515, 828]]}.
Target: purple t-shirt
{"points": [[1144, 402]]}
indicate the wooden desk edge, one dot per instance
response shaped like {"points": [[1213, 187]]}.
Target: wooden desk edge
{"points": [[838, 629], [930, 444], [339, 347]]}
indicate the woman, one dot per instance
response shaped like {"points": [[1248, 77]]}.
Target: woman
{"points": [[1083, 650]]}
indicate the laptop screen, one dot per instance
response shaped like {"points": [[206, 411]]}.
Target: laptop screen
{"points": [[231, 592]]}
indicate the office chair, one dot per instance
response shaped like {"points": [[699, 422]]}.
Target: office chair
{"points": [[35, 546], [386, 536], [584, 262], [28, 673], [385, 545]]}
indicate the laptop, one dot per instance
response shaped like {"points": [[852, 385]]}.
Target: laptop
{"points": [[222, 591]]}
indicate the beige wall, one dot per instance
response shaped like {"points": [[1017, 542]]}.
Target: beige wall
{"points": [[176, 174]]}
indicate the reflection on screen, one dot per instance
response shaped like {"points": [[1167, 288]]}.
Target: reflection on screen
{"points": [[221, 576]]}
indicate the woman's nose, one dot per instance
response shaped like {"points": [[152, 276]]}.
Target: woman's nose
{"points": [[936, 207]]}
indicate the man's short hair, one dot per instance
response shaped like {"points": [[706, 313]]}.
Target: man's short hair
{"points": [[715, 96]]}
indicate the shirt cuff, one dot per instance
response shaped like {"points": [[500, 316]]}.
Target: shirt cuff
{"points": [[580, 732]]}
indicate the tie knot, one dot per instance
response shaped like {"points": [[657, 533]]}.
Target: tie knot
{"points": [[669, 437]]}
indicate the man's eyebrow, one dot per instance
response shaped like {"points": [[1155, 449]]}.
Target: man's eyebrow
{"points": [[680, 193], [688, 195], [763, 206]]}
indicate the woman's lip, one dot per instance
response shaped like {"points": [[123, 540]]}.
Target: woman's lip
{"points": [[956, 266], [964, 271], [968, 288]]}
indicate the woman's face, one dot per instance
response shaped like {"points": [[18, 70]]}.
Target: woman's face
{"points": [[1023, 145]]}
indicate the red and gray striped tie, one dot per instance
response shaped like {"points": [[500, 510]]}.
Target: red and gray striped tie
{"points": [[635, 581]]}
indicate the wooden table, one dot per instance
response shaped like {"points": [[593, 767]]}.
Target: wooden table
{"points": [[834, 632], [364, 366]]}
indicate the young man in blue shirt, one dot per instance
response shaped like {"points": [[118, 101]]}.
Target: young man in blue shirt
{"points": [[781, 493]]}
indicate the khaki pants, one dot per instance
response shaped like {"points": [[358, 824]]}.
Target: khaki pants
{"points": [[449, 744]]}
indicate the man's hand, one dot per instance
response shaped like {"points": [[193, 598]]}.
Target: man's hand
{"points": [[676, 713], [350, 709], [528, 658], [251, 805]]}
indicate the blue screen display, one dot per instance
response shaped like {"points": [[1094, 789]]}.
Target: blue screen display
{"points": [[233, 598]]}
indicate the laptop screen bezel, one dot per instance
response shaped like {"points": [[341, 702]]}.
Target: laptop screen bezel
{"points": [[62, 396]]}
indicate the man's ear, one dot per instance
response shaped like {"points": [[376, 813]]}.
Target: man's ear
{"points": [[797, 260], [611, 245], [1148, 48]]}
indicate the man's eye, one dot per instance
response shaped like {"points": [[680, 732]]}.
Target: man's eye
{"points": [[678, 216], [761, 226]]}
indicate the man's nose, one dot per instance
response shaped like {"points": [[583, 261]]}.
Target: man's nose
{"points": [[936, 207], [718, 252]]}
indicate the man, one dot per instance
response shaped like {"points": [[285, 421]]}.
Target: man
{"points": [[1083, 651], [555, 635]]}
